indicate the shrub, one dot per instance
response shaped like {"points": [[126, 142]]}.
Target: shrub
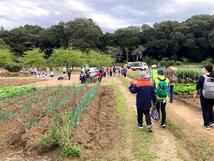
{"points": [[13, 67]]}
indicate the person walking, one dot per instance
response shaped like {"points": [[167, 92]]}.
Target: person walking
{"points": [[162, 90], [124, 71], [153, 72], [69, 70], [205, 88], [170, 74], [110, 71], [82, 77], [145, 95]]}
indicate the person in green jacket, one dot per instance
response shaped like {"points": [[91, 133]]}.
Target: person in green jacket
{"points": [[154, 73], [162, 91]]}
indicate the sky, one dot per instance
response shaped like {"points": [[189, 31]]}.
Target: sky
{"points": [[108, 14]]}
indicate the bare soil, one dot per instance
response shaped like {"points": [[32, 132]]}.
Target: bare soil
{"points": [[98, 128], [4, 82]]}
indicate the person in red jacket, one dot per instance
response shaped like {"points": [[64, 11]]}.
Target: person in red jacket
{"points": [[145, 95]]}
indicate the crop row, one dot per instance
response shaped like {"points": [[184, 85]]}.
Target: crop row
{"points": [[8, 92], [64, 124], [46, 100], [188, 89]]}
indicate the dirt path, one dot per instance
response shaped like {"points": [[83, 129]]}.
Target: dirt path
{"points": [[190, 120], [164, 143]]}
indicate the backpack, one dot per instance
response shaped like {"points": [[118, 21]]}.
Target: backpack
{"points": [[155, 115], [162, 88], [208, 89]]}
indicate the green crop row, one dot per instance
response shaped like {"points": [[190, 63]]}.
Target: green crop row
{"points": [[8, 92], [184, 89], [188, 76], [64, 124]]}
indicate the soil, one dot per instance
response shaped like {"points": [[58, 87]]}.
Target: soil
{"points": [[4, 82], [12, 133], [97, 130], [188, 100]]}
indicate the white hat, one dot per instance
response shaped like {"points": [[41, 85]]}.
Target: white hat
{"points": [[143, 75]]}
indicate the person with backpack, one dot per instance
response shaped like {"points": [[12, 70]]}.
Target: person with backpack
{"points": [[170, 74], [205, 88], [162, 90], [69, 70], [145, 95]]}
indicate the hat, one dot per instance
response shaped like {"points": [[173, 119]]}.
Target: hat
{"points": [[154, 66], [161, 71], [143, 75]]}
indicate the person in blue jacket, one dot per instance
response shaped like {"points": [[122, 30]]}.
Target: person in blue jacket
{"points": [[145, 96]]}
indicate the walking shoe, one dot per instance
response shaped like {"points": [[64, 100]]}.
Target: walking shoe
{"points": [[139, 126], [149, 126], [207, 127], [163, 126], [212, 125]]}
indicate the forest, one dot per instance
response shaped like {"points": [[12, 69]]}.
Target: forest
{"points": [[190, 40]]}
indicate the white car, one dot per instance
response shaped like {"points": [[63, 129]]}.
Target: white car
{"points": [[139, 66]]}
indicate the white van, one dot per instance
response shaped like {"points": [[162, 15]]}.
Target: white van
{"points": [[139, 66]]}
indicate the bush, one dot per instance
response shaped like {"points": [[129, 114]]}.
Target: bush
{"points": [[178, 63], [13, 67], [187, 76], [207, 61]]}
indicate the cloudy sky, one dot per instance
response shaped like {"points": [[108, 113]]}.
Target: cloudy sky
{"points": [[108, 14]]}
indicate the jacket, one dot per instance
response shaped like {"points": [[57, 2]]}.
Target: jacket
{"points": [[154, 74], [145, 94]]}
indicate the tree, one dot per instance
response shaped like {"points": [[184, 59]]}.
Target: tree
{"points": [[137, 53], [33, 58], [83, 34], [115, 52], [6, 57], [64, 57], [98, 59], [21, 39]]}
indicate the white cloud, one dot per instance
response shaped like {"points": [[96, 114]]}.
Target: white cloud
{"points": [[109, 14], [106, 21]]}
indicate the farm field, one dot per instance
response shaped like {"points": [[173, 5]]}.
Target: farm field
{"points": [[97, 122], [4, 82]]}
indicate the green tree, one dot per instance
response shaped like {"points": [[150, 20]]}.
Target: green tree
{"points": [[33, 58], [6, 57], [83, 34], [98, 59], [64, 57]]}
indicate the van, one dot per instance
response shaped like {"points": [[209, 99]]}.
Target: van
{"points": [[139, 66]]}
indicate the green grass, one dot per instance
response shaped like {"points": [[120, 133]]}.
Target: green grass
{"points": [[142, 139], [121, 104]]}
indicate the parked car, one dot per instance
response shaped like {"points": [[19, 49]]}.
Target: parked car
{"points": [[139, 66], [129, 64]]}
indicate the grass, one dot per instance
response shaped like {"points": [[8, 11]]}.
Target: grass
{"points": [[142, 140], [121, 104], [200, 149]]}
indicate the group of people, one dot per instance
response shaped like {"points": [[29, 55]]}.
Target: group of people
{"points": [[152, 89], [155, 88], [102, 72]]}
